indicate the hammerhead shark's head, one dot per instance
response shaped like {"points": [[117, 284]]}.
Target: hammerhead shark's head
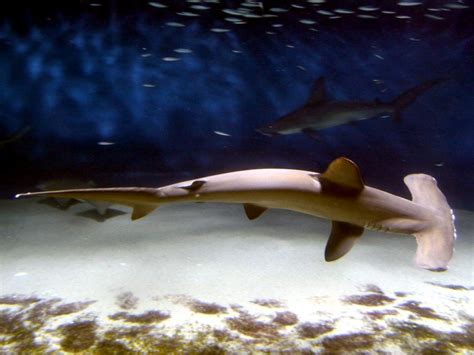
{"points": [[319, 112], [338, 194]]}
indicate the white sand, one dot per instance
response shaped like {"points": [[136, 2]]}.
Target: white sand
{"points": [[213, 253]]}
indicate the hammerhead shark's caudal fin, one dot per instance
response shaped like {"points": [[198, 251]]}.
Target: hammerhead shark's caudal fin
{"points": [[408, 97], [436, 242], [142, 200]]}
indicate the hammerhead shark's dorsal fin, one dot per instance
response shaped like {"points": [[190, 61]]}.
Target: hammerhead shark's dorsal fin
{"points": [[196, 185], [342, 239], [253, 211], [342, 176], [140, 211], [318, 92]]}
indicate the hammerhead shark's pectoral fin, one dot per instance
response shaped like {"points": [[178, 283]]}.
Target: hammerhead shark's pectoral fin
{"points": [[253, 211], [140, 211], [342, 239]]}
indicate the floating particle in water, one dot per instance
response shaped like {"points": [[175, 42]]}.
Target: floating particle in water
{"points": [[409, 3], [434, 9], [20, 274], [368, 8], [343, 11], [434, 17], [95, 4], [379, 56], [157, 5], [278, 9], [149, 85], [297, 6], [335, 17], [232, 19], [325, 13], [439, 164], [277, 25], [183, 50], [301, 67], [171, 59], [186, 13], [253, 4], [414, 39], [290, 46], [219, 133], [236, 51], [251, 15], [270, 33], [456, 6], [316, 1], [387, 12], [232, 12], [219, 30], [174, 24], [240, 23], [200, 7], [307, 22], [105, 143], [146, 55], [403, 17], [366, 16]]}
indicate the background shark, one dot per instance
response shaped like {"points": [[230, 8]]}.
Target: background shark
{"points": [[319, 112], [338, 194]]}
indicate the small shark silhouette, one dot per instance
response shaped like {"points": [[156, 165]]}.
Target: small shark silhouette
{"points": [[319, 113], [338, 194]]}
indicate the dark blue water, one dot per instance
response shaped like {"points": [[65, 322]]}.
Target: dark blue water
{"points": [[74, 75]]}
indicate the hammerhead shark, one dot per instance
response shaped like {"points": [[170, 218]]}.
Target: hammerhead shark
{"points": [[320, 113], [338, 194]]}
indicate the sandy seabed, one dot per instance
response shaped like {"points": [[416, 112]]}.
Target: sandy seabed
{"points": [[201, 278]]}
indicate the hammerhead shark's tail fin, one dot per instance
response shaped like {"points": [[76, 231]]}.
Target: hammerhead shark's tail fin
{"points": [[406, 98], [436, 241], [142, 200]]}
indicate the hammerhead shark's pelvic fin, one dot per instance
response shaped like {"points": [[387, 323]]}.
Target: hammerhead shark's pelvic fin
{"points": [[338, 194]]}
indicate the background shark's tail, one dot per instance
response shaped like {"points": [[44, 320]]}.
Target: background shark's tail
{"points": [[406, 98], [436, 241]]}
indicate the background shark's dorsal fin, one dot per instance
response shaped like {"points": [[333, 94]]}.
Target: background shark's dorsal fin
{"points": [[318, 92], [343, 176]]}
